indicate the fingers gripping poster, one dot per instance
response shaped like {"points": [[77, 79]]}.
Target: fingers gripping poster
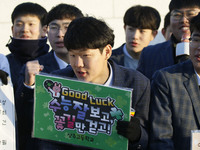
{"points": [[80, 113]]}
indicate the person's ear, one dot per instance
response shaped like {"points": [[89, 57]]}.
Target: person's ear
{"points": [[12, 28], [47, 29], [108, 51], [125, 28], [154, 33], [163, 32], [44, 30]]}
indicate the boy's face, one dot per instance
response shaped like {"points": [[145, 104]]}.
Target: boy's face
{"points": [[179, 21], [195, 50], [56, 33], [28, 27], [91, 65], [137, 39]]}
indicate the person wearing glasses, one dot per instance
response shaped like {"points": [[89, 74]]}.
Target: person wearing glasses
{"points": [[163, 54], [175, 105], [58, 20]]}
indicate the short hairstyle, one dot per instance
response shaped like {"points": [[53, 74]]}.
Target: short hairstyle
{"points": [[195, 23], [142, 17], [29, 8], [63, 11], [88, 33], [167, 20], [178, 4]]}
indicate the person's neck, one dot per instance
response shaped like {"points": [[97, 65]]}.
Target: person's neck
{"points": [[26, 50], [134, 55], [104, 76], [175, 40], [107, 73], [63, 57]]}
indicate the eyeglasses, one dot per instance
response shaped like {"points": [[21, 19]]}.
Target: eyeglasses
{"points": [[54, 28], [195, 42], [177, 15]]}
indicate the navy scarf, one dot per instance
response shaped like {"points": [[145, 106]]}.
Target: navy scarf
{"points": [[26, 50]]}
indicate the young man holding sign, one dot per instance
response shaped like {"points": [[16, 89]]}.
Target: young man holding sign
{"points": [[89, 42]]}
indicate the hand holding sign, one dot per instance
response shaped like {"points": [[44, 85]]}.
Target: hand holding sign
{"points": [[131, 130]]}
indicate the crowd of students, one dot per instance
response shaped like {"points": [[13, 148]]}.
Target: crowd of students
{"points": [[165, 77]]}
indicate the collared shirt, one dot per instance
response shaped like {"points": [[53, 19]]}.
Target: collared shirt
{"points": [[129, 61], [62, 64], [109, 82], [198, 77]]}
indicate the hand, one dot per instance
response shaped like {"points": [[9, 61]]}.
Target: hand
{"points": [[185, 37], [32, 68], [131, 130], [3, 77]]}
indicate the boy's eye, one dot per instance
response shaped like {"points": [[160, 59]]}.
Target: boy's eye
{"points": [[53, 27], [72, 55], [19, 24], [177, 14], [142, 31], [31, 24], [65, 27], [86, 55], [132, 29]]}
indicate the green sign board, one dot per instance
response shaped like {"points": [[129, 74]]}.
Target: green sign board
{"points": [[80, 113]]}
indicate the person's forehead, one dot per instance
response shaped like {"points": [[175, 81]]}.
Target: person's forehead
{"points": [[188, 9], [61, 21], [139, 28], [27, 17], [84, 50]]}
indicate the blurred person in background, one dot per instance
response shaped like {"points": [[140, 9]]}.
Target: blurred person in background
{"points": [[169, 53], [141, 25]]}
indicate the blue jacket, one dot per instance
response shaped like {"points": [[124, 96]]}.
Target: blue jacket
{"points": [[156, 57]]}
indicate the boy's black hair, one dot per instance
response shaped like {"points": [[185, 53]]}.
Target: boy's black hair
{"points": [[178, 4], [88, 33], [167, 20], [195, 23], [63, 11], [29, 8], [142, 17]]}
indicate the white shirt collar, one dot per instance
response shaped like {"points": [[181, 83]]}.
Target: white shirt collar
{"points": [[198, 77], [126, 52], [62, 64], [109, 82]]}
